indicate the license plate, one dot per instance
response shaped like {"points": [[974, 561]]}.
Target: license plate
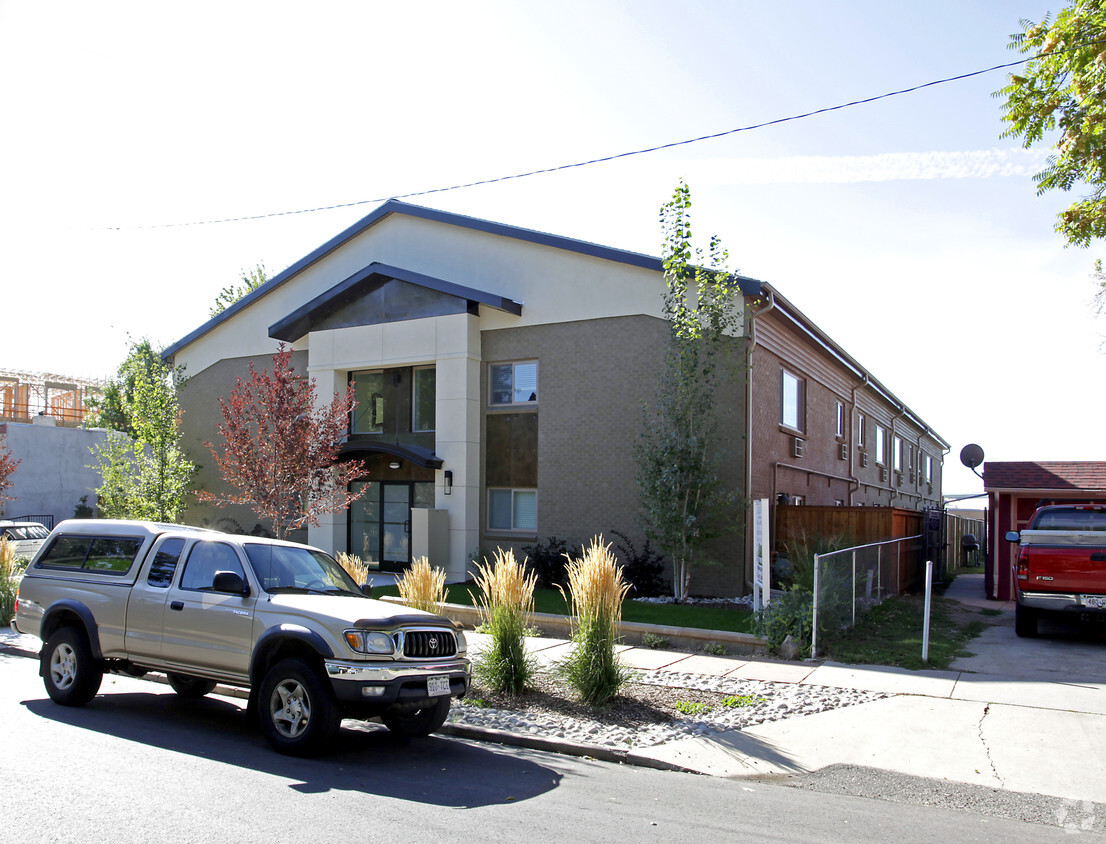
{"points": [[437, 685], [1098, 602]]}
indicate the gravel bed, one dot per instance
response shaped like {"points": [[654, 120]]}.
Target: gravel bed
{"points": [[646, 711]]}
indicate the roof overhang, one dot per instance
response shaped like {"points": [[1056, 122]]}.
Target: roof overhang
{"points": [[424, 457]]}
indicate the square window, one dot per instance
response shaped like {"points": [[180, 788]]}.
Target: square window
{"points": [[513, 510], [513, 383]]}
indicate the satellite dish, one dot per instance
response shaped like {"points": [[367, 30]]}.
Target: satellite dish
{"points": [[971, 456]]}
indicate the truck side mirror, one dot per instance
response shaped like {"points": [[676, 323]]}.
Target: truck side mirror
{"points": [[367, 589], [230, 582], [1013, 536]]}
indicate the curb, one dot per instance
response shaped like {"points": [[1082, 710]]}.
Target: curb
{"points": [[583, 751]]}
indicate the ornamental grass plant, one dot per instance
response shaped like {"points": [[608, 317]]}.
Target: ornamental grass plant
{"points": [[597, 591], [355, 567], [422, 586], [9, 572], [506, 601]]}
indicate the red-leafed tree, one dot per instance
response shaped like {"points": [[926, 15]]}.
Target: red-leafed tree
{"points": [[8, 462], [280, 451]]}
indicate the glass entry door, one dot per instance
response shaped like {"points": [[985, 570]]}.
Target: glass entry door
{"points": [[380, 522]]}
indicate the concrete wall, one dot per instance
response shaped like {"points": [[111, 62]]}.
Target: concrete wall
{"points": [[53, 473]]}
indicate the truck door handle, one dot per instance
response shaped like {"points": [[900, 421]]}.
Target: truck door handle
{"points": [[176, 605]]}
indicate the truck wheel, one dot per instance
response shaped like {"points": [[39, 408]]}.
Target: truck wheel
{"points": [[299, 714], [417, 722], [70, 672], [1025, 621], [190, 688]]}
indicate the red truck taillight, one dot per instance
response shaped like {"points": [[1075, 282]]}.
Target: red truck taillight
{"points": [[1022, 567]]}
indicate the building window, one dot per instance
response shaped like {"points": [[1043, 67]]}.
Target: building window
{"points": [[898, 454], [861, 427], [791, 400], [513, 383], [513, 509], [840, 419], [881, 445], [368, 416], [928, 463], [423, 401]]}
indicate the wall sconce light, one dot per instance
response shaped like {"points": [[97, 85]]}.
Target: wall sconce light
{"points": [[448, 481], [394, 464]]}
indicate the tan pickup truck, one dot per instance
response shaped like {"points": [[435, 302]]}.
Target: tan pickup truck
{"points": [[281, 619]]}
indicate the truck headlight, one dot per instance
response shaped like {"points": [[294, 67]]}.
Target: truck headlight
{"points": [[368, 642]]}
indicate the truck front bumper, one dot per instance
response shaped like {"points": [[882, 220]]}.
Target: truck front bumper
{"points": [[388, 683]]}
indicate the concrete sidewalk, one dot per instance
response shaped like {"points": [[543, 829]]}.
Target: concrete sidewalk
{"points": [[1038, 729]]}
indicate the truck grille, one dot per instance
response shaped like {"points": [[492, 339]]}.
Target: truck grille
{"points": [[428, 644]]}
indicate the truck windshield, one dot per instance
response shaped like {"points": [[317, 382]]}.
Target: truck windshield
{"points": [[286, 568]]}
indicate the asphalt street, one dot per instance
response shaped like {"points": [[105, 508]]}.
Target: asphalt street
{"points": [[138, 764]]}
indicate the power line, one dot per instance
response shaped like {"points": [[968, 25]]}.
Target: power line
{"points": [[604, 159]]}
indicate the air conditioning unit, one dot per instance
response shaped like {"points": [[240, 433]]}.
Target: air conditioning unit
{"points": [[796, 447], [864, 459], [883, 473], [843, 451], [911, 478], [898, 478]]}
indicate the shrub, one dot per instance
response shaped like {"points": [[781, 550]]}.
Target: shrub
{"points": [[506, 601], [422, 586], [787, 615], [652, 640], [714, 649], [548, 560], [354, 566], [597, 592], [644, 570]]}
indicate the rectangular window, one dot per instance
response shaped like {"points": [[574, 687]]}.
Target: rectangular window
{"points": [[423, 401], [513, 509], [898, 454], [513, 383], [881, 445], [368, 416], [791, 400], [861, 427], [840, 419], [929, 469]]}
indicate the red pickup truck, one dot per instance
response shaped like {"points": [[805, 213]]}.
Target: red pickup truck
{"points": [[1061, 565]]}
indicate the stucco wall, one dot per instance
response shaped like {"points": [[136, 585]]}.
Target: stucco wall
{"points": [[54, 470]]}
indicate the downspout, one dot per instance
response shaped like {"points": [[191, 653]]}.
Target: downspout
{"points": [[852, 439], [891, 474], [751, 345]]}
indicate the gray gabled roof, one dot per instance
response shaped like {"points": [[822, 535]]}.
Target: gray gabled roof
{"points": [[394, 206]]}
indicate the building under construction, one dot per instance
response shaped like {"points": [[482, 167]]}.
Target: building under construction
{"points": [[25, 395]]}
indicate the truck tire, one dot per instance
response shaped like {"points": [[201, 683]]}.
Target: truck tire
{"points": [[1025, 621], [299, 714], [190, 688], [70, 672], [417, 722]]}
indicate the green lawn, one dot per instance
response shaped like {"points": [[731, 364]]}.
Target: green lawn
{"points": [[891, 634], [672, 615]]}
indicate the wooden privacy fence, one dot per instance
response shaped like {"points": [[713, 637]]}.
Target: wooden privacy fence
{"points": [[857, 526]]}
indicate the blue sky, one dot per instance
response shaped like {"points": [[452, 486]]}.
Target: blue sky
{"points": [[907, 228]]}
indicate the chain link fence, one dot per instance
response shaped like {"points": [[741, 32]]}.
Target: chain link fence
{"points": [[849, 582]]}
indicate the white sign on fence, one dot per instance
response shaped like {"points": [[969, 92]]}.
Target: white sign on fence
{"points": [[762, 580]]}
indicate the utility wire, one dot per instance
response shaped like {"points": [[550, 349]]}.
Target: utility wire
{"points": [[616, 157]]}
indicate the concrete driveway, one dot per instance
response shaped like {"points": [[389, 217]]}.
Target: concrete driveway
{"points": [[1062, 653]]}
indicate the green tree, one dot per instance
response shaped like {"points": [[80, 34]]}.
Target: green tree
{"points": [[144, 472], [684, 502], [1059, 99], [251, 280]]}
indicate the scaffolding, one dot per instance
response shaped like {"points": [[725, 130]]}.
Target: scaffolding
{"points": [[25, 395]]}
